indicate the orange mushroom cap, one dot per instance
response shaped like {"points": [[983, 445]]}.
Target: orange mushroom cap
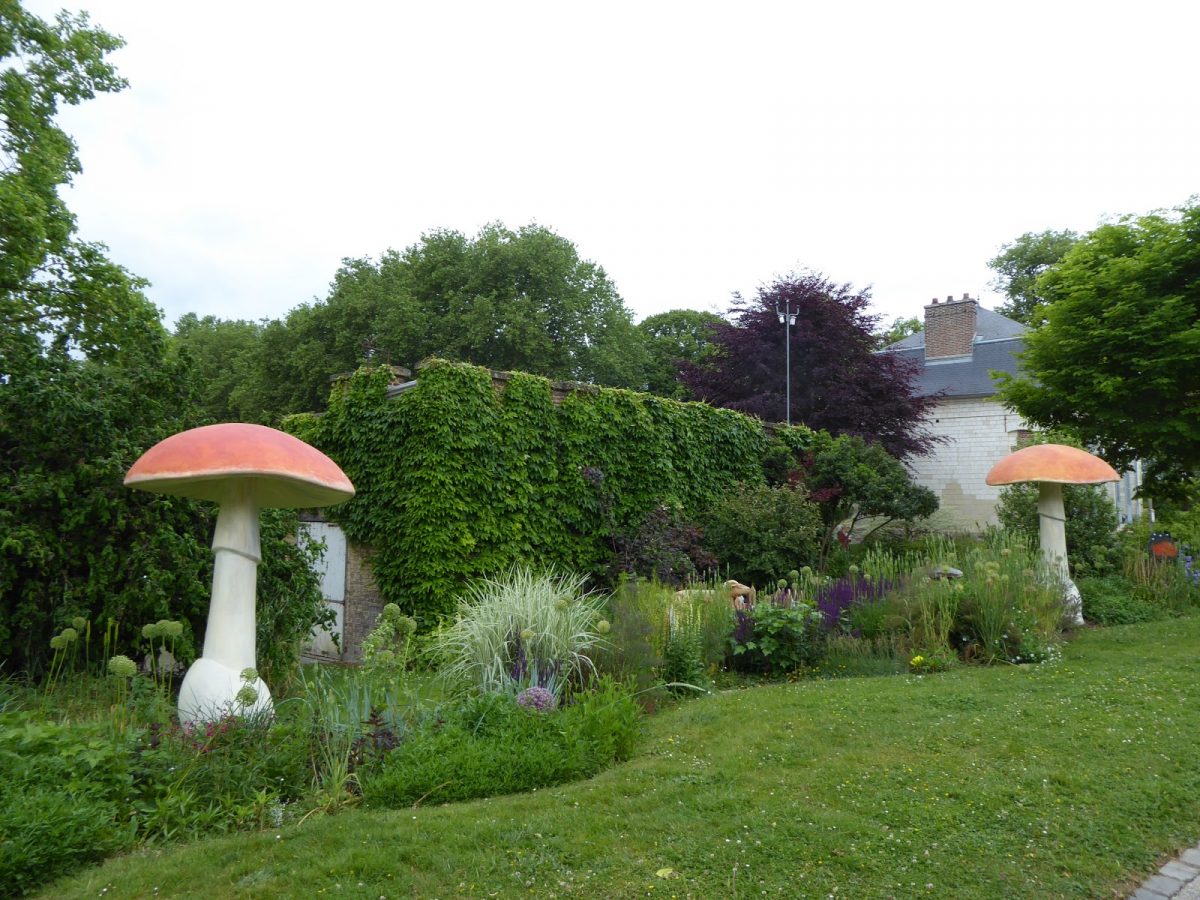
{"points": [[203, 463], [1052, 462]]}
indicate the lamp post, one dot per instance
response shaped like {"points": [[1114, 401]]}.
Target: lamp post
{"points": [[787, 318]]}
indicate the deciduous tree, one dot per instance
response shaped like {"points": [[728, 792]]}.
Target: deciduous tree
{"points": [[516, 300], [838, 384], [1117, 362], [86, 385], [673, 338], [1019, 265]]}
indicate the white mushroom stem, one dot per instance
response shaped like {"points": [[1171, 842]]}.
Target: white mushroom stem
{"points": [[1052, 530], [210, 688], [229, 637]]}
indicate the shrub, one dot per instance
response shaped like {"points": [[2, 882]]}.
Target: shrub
{"points": [[663, 635], [46, 831], [758, 533], [62, 800], [776, 639], [491, 746], [290, 603], [1091, 524], [634, 649], [219, 776], [523, 629], [1111, 601], [666, 547]]}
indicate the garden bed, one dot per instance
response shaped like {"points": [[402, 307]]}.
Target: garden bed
{"points": [[1072, 778]]}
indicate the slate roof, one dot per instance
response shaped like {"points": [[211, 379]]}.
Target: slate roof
{"points": [[997, 341]]}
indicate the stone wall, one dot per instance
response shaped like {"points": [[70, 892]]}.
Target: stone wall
{"points": [[979, 433], [363, 602]]}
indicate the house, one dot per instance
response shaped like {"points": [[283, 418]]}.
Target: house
{"points": [[961, 345]]}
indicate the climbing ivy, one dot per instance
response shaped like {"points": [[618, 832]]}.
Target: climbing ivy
{"points": [[462, 475]]}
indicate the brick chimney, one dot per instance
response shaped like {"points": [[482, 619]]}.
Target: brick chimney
{"points": [[950, 327]]}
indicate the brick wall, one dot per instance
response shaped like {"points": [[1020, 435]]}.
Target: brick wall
{"points": [[950, 327], [363, 602], [980, 432]]}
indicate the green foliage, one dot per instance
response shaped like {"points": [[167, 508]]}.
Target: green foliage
{"points": [[849, 479], [290, 604], [490, 746], [760, 533], [781, 639], [1114, 364], [1011, 609], [45, 833], [1110, 600], [60, 800], [387, 648], [1091, 524], [673, 338], [457, 479], [504, 299], [87, 384], [223, 776], [1019, 265], [44, 66], [900, 328], [223, 354], [660, 635], [938, 660], [966, 765], [84, 382]]}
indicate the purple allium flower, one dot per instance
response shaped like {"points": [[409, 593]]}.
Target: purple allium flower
{"points": [[536, 698]]}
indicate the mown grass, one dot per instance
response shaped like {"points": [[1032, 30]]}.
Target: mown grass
{"points": [[1070, 779]]}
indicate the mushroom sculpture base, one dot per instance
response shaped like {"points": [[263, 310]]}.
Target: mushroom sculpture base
{"points": [[210, 691]]}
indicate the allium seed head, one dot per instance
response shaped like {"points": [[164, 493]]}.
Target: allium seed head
{"points": [[121, 666]]}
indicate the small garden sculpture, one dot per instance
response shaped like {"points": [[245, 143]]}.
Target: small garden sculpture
{"points": [[243, 468], [1052, 466]]}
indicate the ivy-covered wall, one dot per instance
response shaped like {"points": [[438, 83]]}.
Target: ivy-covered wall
{"points": [[460, 475]]}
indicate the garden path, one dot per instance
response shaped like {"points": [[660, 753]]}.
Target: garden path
{"points": [[1179, 879]]}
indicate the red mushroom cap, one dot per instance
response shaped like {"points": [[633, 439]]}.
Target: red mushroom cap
{"points": [[1052, 462], [205, 463]]}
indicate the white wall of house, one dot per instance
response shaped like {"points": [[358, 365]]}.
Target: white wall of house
{"points": [[979, 432]]}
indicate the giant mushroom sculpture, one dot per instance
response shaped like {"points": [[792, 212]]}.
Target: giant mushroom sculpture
{"points": [[243, 468], [1052, 466]]}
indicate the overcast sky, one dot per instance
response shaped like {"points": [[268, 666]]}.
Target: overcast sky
{"points": [[691, 149]]}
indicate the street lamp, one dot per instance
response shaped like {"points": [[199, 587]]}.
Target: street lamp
{"points": [[787, 318]]}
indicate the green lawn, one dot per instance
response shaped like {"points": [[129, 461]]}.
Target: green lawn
{"points": [[1072, 779]]}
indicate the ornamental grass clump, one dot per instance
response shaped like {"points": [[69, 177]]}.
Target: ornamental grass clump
{"points": [[523, 629], [1011, 605]]}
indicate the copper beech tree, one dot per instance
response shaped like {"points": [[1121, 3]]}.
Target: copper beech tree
{"points": [[837, 383]]}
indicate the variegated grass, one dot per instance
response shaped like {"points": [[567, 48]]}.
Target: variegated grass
{"points": [[523, 628]]}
